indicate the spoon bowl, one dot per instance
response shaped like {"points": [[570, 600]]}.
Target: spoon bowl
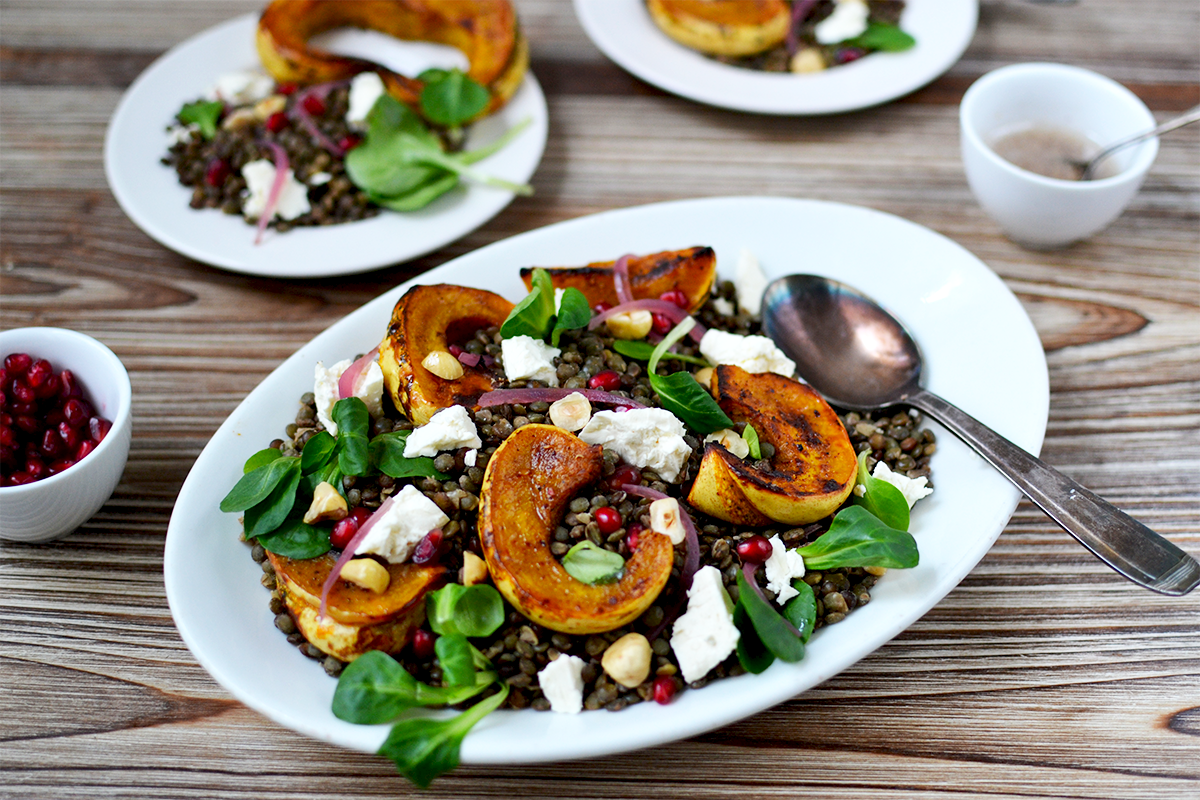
{"points": [[860, 357]]}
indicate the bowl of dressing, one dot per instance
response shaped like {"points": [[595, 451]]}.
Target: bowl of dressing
{"points": [[1022, 127]]}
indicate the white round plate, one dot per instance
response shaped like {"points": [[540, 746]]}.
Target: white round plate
{"points": [[150, 193], [974, 333], [624, 31]]}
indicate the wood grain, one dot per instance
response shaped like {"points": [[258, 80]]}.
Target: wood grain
{"points": [[1042, 675]]}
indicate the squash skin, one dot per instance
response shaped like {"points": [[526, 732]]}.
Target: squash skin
{"points": [[814, 468], [692, 271], [526, 487], [357, 620], [428, 318], [723, 27], [486, 31]]}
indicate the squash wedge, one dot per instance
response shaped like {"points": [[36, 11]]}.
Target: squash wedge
{"points": [[692, 271], [723, 27]]}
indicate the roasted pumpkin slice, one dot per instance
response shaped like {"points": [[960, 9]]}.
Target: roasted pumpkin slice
{"points": [[692, 271], [428, 319], [723, 27], [526, 488], [357, 620], [814, 467], [486, 31]]}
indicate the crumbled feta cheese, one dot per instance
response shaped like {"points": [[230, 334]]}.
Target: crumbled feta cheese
{"points": [[240, 88], [731, 440], [319, 178], [448, 429], [558, 296], [665, 519], [751, 353], [782, 567], [723, 306], [849, 19], [749, 282], [913, 489], [704, 635], [182, 133], [645, 437], [325, 390], [562, 683], [365, 89], [470, 457], [529, 359], [260, 176], [402, 526]]}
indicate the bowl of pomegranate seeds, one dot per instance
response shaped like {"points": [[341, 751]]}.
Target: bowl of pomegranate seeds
{"points": [[65, 425]]}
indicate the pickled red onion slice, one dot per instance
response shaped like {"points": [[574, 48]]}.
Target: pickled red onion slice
{"points": [[621, 280], [502, 397], [320, 90], [350, 380], [280, 157], [468, 359], [691, 561], [348, 552]]}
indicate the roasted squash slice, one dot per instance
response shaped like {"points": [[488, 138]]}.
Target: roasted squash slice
{"points": [[692, 271], [486, 31], [723, 27], [357, 620], [427, 319], [814, 467], [526, 487]]}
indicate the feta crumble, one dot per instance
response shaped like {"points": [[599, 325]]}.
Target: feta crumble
{"points": [[241, 88], [751, 353], [396, 534], [562, 683], [913, 489], [260, 176], [365, 89], [529, 359], [645, 437], [849, 19], [325, 391], [704, 635], [782, 568], [448, 429], [749, 282]]}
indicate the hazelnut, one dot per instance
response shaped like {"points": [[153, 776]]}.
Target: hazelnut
{"points": [[367, 573], [704, 377], [878, 572], [627, 660], [731, 440], [444, 365], [269, 105], [664, 519], [572, 412], [807, 60], [327, 505], [240, 118], [630, 324], [474, 570]]}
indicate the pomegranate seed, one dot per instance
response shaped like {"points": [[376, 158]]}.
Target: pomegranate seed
{"points": [[76, 412], [844, 55], [665, 688], [754, 550], [17, 407], [5, 418], [36, 468], [455, 350], [69, 435], [17, 363], [285, 89], [277, 122], [634, 534], [422, 644], [429, 548], [49, 387], [313, 105], [624, 474], [608, 381], [3, 399], [661, 323], [601, 307], [85, 447], [50, 444], [343, 532], [68, 385], [23, 392], [19, 479], [27, 423], [60, 465], [38, 373], [99, 428], [608, 519], [7, 437], [349, 142], [216, 173], [677, 297], [8, 455]]}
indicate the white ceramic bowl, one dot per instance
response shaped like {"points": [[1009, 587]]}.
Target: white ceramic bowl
{"points": [[55, 506], [1033, 210]]}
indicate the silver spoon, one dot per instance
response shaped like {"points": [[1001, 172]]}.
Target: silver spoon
{"points": [[861, 358], [1087, 169]]}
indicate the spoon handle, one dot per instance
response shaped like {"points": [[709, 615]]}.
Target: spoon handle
{"points": [[1116, 538]]}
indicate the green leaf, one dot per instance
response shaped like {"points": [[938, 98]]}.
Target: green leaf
{"points": [[589, 563], [881, 498], [353, 424], [679, 392], [751, 652], [801, 610], [375, 688], [423, 749], [419, 196], [256, 485], [636, 348], [776, 633], [260, 459], [317, 451], [467, 610], [531, 316], [857, 538], [751, 437], [264, 517], [450, 97], [296, 539], [882, 36], [387, 453], [573, 313], [459, 659], [204, 114]]}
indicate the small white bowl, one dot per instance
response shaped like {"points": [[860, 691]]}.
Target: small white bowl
{"points": [[55, 506], [1033, 210]]}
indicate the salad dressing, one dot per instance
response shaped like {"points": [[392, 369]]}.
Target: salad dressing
{"points": [[1051, 151]]}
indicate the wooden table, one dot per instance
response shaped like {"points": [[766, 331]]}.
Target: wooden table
{"points": [[1042, 675]]}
